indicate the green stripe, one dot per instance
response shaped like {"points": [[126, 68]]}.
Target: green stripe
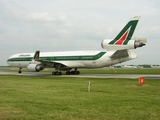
{"points": [[60, 58]]}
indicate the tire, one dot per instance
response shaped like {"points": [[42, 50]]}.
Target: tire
{"points": [[68, 73], [77, 72], [59, 73]]}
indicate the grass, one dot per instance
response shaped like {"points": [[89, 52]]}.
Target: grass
{"points": [[62, 98]]}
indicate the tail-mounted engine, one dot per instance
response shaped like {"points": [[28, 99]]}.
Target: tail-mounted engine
{"points": [[132, 44], [35, 67]]}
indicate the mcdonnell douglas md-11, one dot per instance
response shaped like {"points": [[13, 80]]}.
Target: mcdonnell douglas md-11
{"points": [[117, 51]]}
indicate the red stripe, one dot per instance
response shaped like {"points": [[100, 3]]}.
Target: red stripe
{"points": [[122, 39]]}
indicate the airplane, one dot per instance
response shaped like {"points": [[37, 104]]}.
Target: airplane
{"points": [[116, 51], [129, 66]]}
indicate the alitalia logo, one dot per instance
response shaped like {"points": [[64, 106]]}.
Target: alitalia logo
{"points": [[122, 39], [125, 34]]}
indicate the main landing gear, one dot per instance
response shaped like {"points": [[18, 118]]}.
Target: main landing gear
{"points": [[68, 72], [72, 73], [20, 70], [75, 72], [56, 73]]}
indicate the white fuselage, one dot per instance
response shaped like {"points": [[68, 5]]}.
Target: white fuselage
{"points": [[71, 59]]}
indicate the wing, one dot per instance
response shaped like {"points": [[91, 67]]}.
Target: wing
{"points": [[52, 64], [48, 63]]}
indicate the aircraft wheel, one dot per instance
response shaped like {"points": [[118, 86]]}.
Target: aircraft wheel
{"points": [[72, 72], [59, 73], [56, 73], [68, 73], [77, 72], [53, 73], [20, 71]]}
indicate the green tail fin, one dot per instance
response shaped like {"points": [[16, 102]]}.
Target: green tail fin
{"points": [[126, 33]]}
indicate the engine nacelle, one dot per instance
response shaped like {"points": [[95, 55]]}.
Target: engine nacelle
{"points": [[35, 67], [132, 44]]}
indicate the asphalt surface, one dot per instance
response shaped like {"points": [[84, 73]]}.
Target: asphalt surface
{"points": [[132, 76]]}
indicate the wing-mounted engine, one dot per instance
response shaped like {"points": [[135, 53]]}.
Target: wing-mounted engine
{"points": [[131, 44], [35, 67]]}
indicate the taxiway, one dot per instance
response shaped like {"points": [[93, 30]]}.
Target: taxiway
{"points": [[132, 76]]}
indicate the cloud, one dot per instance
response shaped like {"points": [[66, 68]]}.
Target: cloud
{"points": [[73, 25], [45, 17]]}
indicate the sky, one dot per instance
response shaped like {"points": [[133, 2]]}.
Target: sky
{"points": [[58, 25]]}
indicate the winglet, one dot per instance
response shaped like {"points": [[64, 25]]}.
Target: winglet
{"points": [[36, 55]]}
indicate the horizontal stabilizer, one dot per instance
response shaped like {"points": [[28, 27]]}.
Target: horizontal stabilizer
{"points": [[120, 53], [143, 40]]}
